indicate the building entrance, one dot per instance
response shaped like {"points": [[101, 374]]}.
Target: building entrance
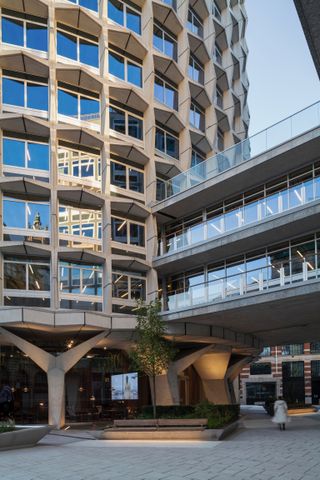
{"points": [[259, 392]]}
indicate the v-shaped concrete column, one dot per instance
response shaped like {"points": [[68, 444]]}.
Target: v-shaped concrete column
{"points": [[55, 368], [167, 384], [212, 368]]}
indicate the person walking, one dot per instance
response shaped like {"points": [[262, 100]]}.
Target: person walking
{"points": [[6, 400], [280, 413]]}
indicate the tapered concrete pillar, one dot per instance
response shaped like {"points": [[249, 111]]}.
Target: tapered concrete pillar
{"points": [[167, 384], [56, 368], [56, 396], [212, 368]]}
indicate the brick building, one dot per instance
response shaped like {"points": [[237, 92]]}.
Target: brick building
{"points": [[289, 370]]}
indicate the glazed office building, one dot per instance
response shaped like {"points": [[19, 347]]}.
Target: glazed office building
{"points": [[126, 174]]}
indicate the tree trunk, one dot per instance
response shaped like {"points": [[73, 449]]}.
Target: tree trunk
{"points": [[154, 396]]}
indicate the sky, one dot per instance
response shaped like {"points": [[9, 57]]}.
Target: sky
{"points": [[282, 76]]}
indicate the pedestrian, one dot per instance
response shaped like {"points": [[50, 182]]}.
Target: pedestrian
{"points": [[6, 400], [280, 413]]}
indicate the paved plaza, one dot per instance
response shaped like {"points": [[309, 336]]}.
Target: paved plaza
{"points": [[256, 451]]}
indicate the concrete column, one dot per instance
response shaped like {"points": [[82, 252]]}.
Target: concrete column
{"points": [[56, 396], [167, 384], [56, 368], [212, 368]]}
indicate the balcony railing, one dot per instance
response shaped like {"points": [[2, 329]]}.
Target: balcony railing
{"points": [[281, 132], [239, 285], [262, 209]]}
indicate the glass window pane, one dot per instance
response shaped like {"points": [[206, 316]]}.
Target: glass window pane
{"points": [[14, 214], [115, 11], [135, 127], [119, 230], [12, 31], [157, 39], [117, 120], [38, 216], [89, 53], [116, 65], [160, 140], [120, 286], [67, 103], [13, 152], [89, 108], [38, 156], [13, 92], [66, 45], [39, 277], [14, 276], [91, 4], [159, 90], [118, 175], [136, 180], [172, 146], [75, 280], [136, 234], [138, 289], [133, 21], [37, 96], [37, 37], [134, 74]]}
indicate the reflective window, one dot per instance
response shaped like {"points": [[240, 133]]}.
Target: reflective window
{"points": [[127, 231], [164, 42], [194, 24], [84, 223], [25, 154], [128, 287], [79, 165], [80, 279], [216, 10], [25, 33], [78, 48], [90, 4], [21, 214], [293, 349], [217, 54], [165, 93], [126, 177], [125, 15], [23, 93], [197, 117], [167, 143], [260, 368], [126, 123], [26, 275], [125, 69], [195, 70], [78, 106]]}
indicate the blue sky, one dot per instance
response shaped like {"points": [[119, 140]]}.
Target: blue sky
{"points": [[282, 76]]}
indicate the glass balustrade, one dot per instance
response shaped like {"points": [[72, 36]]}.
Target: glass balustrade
{"points": [[271, 137], [233, 286], [256, 211]]}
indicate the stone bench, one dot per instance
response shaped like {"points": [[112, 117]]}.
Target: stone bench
{"points": [[162, 423]]}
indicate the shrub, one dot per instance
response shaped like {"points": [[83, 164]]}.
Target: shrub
{"points": [[218, 415], [7, 426], [167, 411]]}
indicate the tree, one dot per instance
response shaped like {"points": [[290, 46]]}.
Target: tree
{"points": [[152, 353]]}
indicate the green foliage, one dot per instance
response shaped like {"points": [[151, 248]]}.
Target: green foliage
{"points": [[208, 410], [152, 353], [7, 426], [170, 411], [218, 415]]}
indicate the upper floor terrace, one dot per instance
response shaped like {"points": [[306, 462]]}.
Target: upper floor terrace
{"points": [[273, 151]]}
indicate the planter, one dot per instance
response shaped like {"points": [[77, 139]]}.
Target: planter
{"points": [[23, 437], [181, 430]]}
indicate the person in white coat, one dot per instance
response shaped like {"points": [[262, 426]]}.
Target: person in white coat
{"points": [[280, 413]]}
